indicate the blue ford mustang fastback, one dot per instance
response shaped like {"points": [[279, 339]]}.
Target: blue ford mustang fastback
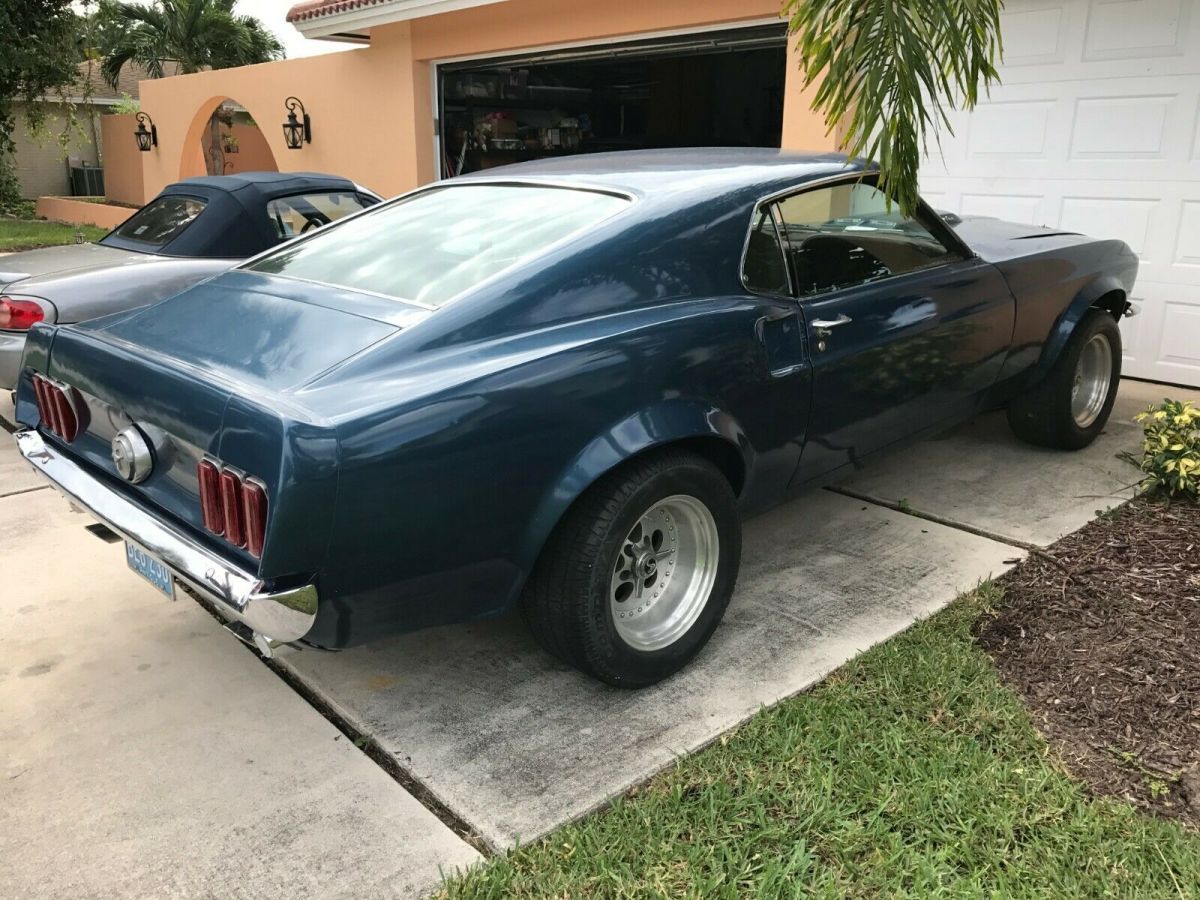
{"points": [[558, 387]]}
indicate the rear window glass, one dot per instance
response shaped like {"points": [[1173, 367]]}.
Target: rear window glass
{"points": [[161, 221], [439, 243]]}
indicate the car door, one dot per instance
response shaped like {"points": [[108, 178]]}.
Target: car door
{"points": [[904, 327]]}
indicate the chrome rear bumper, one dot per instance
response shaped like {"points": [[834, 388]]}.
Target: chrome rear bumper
{"points": [[282, 617]]}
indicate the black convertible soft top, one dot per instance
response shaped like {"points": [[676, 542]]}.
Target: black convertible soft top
{"points": [[234, 222]]}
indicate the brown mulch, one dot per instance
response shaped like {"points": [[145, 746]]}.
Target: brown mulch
{"points": [[1101, 637]]}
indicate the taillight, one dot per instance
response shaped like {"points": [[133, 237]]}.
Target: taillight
{"points": [[60, 407], [19, 315], [210, 497], [233, 506], [254, 516]]}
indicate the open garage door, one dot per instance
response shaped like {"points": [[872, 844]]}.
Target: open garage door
{"points": [[721, 89]]}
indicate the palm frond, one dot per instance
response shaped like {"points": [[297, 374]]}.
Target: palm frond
{"points": [[890, 72]]}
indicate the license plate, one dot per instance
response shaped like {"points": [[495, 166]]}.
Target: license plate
{"points": [[150, 568]]}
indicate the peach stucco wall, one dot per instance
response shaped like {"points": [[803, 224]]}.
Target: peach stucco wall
{"points": [[81, 212], [372, 108], [122, 160]]}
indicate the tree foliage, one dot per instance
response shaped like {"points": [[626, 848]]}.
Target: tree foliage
{"points": [[39, 50], [193, 34], [890, 71]]}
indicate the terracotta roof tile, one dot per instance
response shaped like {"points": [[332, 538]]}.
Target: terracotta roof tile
{"points": [[315, 9]]}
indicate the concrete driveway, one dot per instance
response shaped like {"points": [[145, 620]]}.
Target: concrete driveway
{"points": [[127, 758]]}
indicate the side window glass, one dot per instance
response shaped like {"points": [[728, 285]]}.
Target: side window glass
{"points": [[303, 212], [764, 268], [845, 235]]}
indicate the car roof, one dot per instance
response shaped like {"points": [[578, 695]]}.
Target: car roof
{"points": [[266, 184], [697, 170]]}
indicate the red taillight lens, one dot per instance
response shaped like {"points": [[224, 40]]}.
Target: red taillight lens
{"points": [[61, 409], [210, 496], [231, 505], [19, 315], [254, 516]]}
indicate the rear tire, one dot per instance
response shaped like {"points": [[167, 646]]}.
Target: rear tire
{"points": [[1071, 405], [637, 576]]}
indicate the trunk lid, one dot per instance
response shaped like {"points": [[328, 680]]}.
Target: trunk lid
{"points": [[209, 372], [259, 332], [18, 267]]}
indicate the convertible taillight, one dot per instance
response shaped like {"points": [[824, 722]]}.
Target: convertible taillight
{"points": [[19, 315], [233, 505], [60, 407]]}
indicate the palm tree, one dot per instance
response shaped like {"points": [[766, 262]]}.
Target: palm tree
{"points": [[889, 72], [193, 34]]}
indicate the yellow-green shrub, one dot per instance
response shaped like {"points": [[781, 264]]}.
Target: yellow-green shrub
{"points": [[1171, 459]]}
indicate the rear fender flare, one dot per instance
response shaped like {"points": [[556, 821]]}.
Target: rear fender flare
{"points": [[1071, 317], [661, 425]]}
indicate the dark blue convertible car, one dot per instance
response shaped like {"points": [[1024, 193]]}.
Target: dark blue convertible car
{"points": [[557, 387]]}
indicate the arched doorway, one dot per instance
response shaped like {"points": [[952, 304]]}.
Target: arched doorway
{"points": [[224, 139]]}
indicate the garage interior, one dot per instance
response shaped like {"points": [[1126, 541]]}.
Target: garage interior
{"points": [[716, 89]]}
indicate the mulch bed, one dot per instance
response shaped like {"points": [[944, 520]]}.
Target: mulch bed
{"points": [[1101, 637]]}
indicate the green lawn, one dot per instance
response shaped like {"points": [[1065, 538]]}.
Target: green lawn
{"points": [[25, 234], [912, 771]]}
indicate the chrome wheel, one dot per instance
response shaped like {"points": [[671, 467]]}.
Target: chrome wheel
{"points": [[1093, 375], [664, 573]]}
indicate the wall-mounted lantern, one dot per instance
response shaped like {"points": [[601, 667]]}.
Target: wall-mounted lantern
{"points": [[296, 131], [145, 139]]}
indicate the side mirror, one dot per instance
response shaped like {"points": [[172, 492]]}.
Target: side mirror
{"points": [[950, 218]]}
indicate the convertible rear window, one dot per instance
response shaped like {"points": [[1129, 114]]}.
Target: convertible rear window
{"points": [[433, 246], [161, 221]]}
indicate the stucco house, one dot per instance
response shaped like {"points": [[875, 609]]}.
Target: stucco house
{"points": [[1096, 126], [41, 160]]}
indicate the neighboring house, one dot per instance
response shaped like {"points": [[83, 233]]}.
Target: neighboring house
{"points": [[1096, 128], [42, 164]]}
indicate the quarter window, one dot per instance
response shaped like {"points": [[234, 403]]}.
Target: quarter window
{"points": [[845, 235], [764, 269]]}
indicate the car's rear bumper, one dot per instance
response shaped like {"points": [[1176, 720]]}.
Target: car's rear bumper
{"points": [[238, 595], [12, 345]]}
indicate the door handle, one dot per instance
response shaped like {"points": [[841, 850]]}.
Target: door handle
{"points": [[824, 326]]}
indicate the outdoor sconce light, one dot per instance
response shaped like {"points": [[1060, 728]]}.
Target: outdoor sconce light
{"points": [[296, 132], [145, 139]]}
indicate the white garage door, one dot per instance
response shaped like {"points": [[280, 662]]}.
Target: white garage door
{"points": [[1096, 128]]}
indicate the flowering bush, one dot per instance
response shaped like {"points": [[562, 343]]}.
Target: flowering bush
{"points": [[1171, 459]]}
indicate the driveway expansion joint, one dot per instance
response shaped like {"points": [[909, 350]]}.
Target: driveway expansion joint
{"points": [[908, 510], [361, 739]]}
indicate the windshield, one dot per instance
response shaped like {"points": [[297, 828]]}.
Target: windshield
{"points": [[441, 242], [160, 221]]}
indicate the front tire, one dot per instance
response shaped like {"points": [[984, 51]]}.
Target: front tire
{"points": [[637, 576], [1071, 405]]}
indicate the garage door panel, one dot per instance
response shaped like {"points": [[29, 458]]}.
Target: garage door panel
{"points": [[1130, 220], [1038, 34], [1126, 127], [1181, 334], [1013, 207], [1187, 247], [1136, 29]]}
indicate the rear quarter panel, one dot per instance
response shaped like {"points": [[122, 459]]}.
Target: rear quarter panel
{"points": [[445, 503]]}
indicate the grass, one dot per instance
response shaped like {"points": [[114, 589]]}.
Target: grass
{"points": [[25, 234], [912, 771]]}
